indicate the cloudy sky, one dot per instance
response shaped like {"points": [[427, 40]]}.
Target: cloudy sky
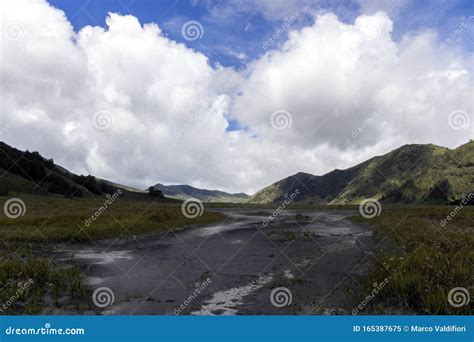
{"points": [[232, 94]]}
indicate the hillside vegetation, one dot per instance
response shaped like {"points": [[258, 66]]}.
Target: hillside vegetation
{"points": [[28, 172], [184, 192], [409, 174], [52, 219], [426, 260]]}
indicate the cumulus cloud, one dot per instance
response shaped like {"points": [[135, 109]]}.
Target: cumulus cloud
{"points": [[128, 104], [333, 77]]}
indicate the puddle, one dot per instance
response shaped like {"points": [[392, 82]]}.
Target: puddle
{"points": [[104, 258], [225, 302], [332, 231], [341, 245], [94, 280], [207, 231]]}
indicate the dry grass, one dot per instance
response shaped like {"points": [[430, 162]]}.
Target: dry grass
{"points": [[53, 219], [426, 259]]}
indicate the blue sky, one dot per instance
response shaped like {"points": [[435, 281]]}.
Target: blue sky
{"points": [[234, 30]]}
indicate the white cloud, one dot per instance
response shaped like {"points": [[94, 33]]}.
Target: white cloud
{"points": [[164, 109], [332, 76]]}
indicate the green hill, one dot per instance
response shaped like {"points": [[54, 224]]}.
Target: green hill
{"points": [[186, 191], [409, 174], [30, 173]]}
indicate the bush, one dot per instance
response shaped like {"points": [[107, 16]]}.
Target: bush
{"points": [[154, 192]]}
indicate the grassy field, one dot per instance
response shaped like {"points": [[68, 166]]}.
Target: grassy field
{"points": [[425, 259], [420, 258], [54, 219], [30, 283]]}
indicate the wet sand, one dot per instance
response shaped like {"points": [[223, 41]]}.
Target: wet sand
{"points": [[231, 268]]}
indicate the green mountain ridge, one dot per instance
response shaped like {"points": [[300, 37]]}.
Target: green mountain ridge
{"points": [[409, 174], [30, 173], [184, 192]]}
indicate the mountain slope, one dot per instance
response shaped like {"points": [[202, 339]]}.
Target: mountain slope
{"points": [[29, 172], [186, 191], [409, 174]]}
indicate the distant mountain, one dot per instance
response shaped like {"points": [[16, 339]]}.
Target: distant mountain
{"points": [[186, 191], [29, 172], [409, 174]]}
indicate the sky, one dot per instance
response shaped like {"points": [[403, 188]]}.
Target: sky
{"points": [[232, 95], [234, 31]]}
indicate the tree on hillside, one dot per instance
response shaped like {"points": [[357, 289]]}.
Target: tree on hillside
{"points": [[154, 192]]}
